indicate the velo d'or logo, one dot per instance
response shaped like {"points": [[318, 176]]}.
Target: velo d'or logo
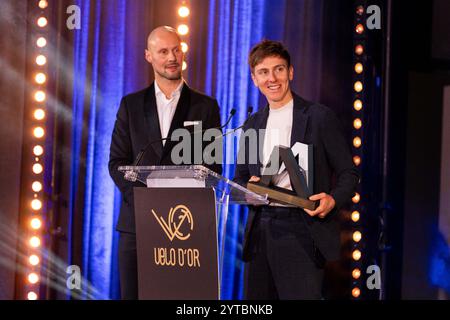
{"points": [[179, 222]]}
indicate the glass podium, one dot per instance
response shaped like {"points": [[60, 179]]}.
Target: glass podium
{"points": [[197, 176]]}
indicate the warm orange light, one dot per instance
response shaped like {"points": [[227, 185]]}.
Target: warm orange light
{"points": [[33, 278], [39, 96], [39, 114], [37, 168], [34, 260], [183, 11], [360, 10], [356, 255], [357, 160], [184, 47], [35, 242], [43, 4], [32, 296], [36, 186], [183, 29], [357, 142], [356, 292], [42, 22], [355, 216], [184, 67], [359, 67], [41, 60], [36, 204], [358, 86], [357, 236], [359, 28], [359, 49], [357, 123], [356, 273], [38, 150], [36, 223], [38, 132], [41, 42], [357, 104], [356, 197], [40, 78]]}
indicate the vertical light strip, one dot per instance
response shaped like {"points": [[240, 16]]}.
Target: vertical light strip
{"points": [[39, 110], [183, 29], [357, 142]]}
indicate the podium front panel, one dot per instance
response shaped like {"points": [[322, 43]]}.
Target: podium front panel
{"points": [[176, 232]]}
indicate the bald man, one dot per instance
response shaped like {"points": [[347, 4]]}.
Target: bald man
{"points": [[149, 115]]}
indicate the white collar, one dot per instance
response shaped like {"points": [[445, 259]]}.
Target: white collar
{"points": [[176, 92]]}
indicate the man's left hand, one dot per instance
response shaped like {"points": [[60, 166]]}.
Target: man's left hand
{"points": [[327, 204]]}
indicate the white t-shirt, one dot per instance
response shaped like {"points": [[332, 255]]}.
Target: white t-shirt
{"points": [[278, 132]]}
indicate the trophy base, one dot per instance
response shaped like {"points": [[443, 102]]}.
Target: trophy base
{"points": [[282, 195]]}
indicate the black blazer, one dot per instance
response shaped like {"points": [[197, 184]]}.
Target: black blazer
{"points": [[137, 124], [317, 125]]}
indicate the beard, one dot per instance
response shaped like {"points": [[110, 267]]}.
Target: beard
{"points": [[168, 76]]}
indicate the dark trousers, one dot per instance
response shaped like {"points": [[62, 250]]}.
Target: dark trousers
{"points": [[128, 266], [283, 261]]}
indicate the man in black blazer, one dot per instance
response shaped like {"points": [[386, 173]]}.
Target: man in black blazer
{"points": [[285, 247], [150, 115]]}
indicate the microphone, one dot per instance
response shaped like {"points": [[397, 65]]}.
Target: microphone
{"points": [[132, 175], [249, 113]]}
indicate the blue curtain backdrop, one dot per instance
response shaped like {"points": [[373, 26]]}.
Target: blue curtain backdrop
{"points": [[106, 67], [108, 63]]}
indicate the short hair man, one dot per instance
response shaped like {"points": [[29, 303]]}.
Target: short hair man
{"points": [[151, 115], [285, 248]]}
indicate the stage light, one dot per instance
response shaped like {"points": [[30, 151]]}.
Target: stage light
{"points": [[41, 60], [360, 10], [357, 105], [356, 273], [357, 142], [356, 255], [359, 67], [36, 204], [36, 186], [357, 160], [357, 123], [356, 197], [183, 29], [39, 96], [359, 28], [356, 292], [38, 150], [355, 216], [32, 296], [38, 132], [42, 22], [37, 168], [43, 4], [34, 260], [184, 47], [35, 242], [33, 278], [39, 114], [183, 11], [40, 78], [357, 236], [41, 42], [35, 223], [359, 49], [358, 86], [184, 67]]}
